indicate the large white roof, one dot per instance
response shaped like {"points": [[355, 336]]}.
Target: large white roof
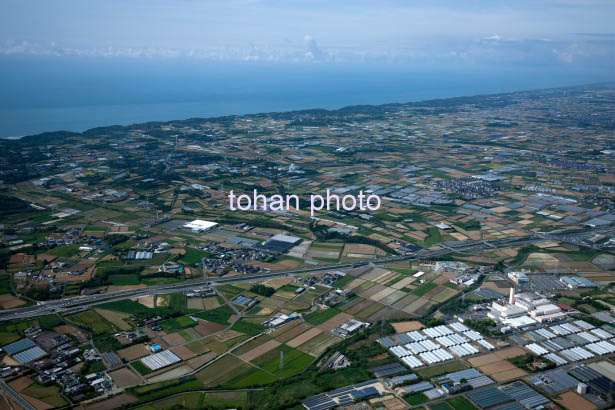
{"points": [[199, 224], [285, 238]]}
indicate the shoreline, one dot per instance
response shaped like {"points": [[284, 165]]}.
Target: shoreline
{"points": [[344, 107]]}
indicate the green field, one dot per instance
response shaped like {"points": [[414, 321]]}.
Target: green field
{"points": [[253, 377], [461, 403], [230, 289], [49, 394], [65, 251], [295, 361], [93, 321], [440, 406], [416, 398], [163, 389], [424, 288], [193, 256], [177, 304], [199, 400], [5, 284], [321, 316], [342, 281], [220, 314], [6, 338], [159, 281], [49, 321], [17, 326], [106, 343], [93, 228], [178, 323], [248, 328], [141, 368], [124, 280]]}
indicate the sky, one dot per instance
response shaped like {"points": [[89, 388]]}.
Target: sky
{"points": [[563, 33]]}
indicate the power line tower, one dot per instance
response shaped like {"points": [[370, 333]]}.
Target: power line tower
{"points": [[281, 360]]}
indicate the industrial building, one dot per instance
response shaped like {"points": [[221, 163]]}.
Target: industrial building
{"points": [[576, 282], [524, 309], [280, 320], [518, 277], [351, 327], [199, 226], [278, 243]]}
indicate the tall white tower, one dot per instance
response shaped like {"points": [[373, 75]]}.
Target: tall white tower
{"points": [[511, 298]]}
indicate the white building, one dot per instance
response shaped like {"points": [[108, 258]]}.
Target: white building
{"points": [[525, 309], [199, 225]]}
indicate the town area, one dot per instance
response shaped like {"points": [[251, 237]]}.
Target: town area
{"points": [[484, 280]]}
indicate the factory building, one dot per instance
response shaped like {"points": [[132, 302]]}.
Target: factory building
{"points": [[524, 309], [518, 277], [199, 225]]}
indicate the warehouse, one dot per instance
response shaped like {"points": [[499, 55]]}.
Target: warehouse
{"points": [[278, 243], [199, 226]]}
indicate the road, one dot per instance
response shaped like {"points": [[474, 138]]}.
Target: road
{"points": [[60, 306], [15, 396]]}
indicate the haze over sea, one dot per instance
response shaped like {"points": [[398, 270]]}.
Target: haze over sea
{"points": [[39, 94]]}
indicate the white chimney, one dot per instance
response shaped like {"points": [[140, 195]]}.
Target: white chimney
{"points": [[511, 299]]}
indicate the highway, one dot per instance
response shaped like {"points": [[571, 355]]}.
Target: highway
{"points": [[63, 305], [15, 396]]}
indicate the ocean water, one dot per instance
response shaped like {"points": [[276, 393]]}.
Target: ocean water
{"points": [[75, 94]]}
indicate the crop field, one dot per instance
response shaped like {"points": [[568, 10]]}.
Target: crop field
{"points": [[93, 321], [317, 345], [218, 369], [441, 406], [177, 323], [189, 334], [444, 294], [294, 361], [125, 377], [124, 280], [369, 311], [133, 352], [260, 350], [117, 318], [6, 338], [304, 337], [254, 343], [461, 403], [48, 394], [250, 377], [220, 315], [321, 316], [200, 400], [198, 347], [210, 303], [193, 256], [424, 288], [208, 328], [248, 328]]}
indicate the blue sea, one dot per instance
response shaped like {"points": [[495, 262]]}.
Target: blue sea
{"points": [[39, 94]]}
